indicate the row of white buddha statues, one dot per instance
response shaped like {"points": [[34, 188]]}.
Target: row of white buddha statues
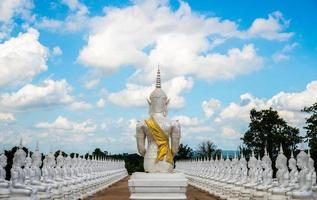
{"points": [[60, 178], [237, 178]]}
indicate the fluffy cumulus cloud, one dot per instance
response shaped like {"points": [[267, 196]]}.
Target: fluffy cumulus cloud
{"points": [[22, 58], [271, 28], [46, 94], [288, 105], [6, 117], [135, 95], [210, 107], [11, 8], [63, 124], [76, 20], [150, 32]]}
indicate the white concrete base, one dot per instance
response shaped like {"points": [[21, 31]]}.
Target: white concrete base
{"points": [[157, 186]]}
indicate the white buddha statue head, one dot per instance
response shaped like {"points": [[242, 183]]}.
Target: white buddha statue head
{"points": [[266, 160], [28, 160], [60, 159], [302, 160], [19, 156], [158, 100], [292, 162], [281, 160], [37, 157]]}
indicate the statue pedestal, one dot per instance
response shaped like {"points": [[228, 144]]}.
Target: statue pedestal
{"points": [[157, 186]]}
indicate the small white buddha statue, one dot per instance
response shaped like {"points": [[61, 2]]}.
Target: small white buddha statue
{"points": [[304, 190], [282, 176], [293, 175], [267, 178], [163, 135], [27, 168], [268, 172], [18, 187], [36, 174], [4, 184]]}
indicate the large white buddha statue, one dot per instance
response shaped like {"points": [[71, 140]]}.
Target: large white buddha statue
{"points": [[19, 190], [162, 134]]}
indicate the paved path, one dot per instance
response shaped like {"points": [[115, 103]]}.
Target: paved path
{"points": [[119, 191]]}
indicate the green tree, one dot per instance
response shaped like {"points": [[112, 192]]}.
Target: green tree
{"points": [[184, 152], [207, 149], [311, 130], [268, 128]]}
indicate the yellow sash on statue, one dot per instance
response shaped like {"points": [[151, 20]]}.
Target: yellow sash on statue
{"points": [[161, 140]]}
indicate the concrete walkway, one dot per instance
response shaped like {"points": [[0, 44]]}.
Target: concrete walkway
{"points": [[120, 191]]}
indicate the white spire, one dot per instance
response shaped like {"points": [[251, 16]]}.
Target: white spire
{"points": [[21, 143], [37, 148], [281, 149], [158, 78]]}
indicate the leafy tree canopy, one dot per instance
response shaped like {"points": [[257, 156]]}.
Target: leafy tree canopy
{"points": [[267, 128]]}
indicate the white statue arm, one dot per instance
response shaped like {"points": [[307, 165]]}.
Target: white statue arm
{"points": [[140, 138], [175, 137]]}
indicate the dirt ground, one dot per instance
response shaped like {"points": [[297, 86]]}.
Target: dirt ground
{"points": [[120, 191]]}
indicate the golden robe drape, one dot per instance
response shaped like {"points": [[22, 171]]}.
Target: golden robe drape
{"points": [[161, 139]]}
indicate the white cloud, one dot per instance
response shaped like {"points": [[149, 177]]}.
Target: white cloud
{"points": [[230, 133], [6, 117], [80, 105], [63, 124], [182, 41], [271, 28], [57, 51], [22, 58], [210, 107], [135, 95], [10, 9], [76, 20], [92, 83], [288, 105], [46, 94], [186, 120], [283, 55], [101, 103]]}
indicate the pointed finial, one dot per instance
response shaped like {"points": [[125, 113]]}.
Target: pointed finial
{"points": [[292, 154], [158, 78], [37, 148], [60, 152], [281, 149], [253, 153], [21, 143], [265, 149]]}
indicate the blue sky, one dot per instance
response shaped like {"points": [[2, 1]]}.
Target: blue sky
{"points": [[75, 74]]}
